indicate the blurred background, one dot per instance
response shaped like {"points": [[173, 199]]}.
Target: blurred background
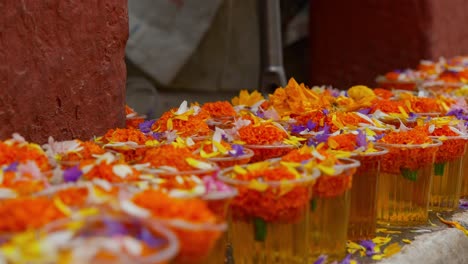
{"points": [[209, 50]]}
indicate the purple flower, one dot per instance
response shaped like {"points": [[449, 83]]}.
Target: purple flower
{"points": [[326, 129], [378, 137], [325, 111], [145, 127], [296, 129], [413, 116], [361, 139], [321, 260], [114, 228], [463, 204], [152, 241], [237, 150], [72, 174], [369, 246], [321, 138], [365, 111], [224, 137], [260, 114], [157, 135], [311, 142], [311, 125], [346, 260], [458, 113], [12, 167]]}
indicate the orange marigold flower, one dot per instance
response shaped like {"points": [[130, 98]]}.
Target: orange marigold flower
{"points": [[269, 204], [219, 109], [417, 135], [444, 131], [169, 155], [392, 76], [186, 125], [383, 93], [89, 149], [23, 214], [388, 106], [23, 152], [109, 172], [124, 135], [346, 142], [262, 134], [161, 205]]}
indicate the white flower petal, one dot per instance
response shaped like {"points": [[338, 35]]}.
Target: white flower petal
{"points": [[133, 209], [122, 170]]}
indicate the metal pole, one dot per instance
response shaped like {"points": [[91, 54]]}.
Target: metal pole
{"points": [[272, 73]]}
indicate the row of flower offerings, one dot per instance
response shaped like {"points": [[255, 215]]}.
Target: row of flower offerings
{"points": [[283, 179]]}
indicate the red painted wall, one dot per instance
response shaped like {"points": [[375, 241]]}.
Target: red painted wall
{"points": [[62, 69], [353, 41]]}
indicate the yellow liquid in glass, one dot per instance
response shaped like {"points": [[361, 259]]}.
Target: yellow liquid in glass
{"points": [[329, 227], [285, 243], [464, 186], [363, 210], [404, 201], [446, 188]]}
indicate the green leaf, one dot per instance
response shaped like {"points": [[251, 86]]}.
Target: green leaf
{"points": [[313, 205], [439, 169], [260, 229], [411, 175]]}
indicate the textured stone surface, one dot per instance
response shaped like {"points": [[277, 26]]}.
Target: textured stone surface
{"points": [[352, 43], [62, 70]]}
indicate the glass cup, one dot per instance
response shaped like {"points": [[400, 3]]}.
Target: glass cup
{"points": [[329, 211], [447, 180], [363, 212], [264, 152], [94, 240], [269, 223], [405, 182]]}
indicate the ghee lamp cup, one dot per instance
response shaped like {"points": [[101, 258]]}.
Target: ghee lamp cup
{"points": [[448, 176], [329, 211], [94, 240], [268, 220], [265, 152], [363, 208], [405, 181]]}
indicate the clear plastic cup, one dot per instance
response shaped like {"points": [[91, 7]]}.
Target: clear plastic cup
{"points": [[447, 180], [405, 182], [259, 233], [363, 208], [329, 211]]}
